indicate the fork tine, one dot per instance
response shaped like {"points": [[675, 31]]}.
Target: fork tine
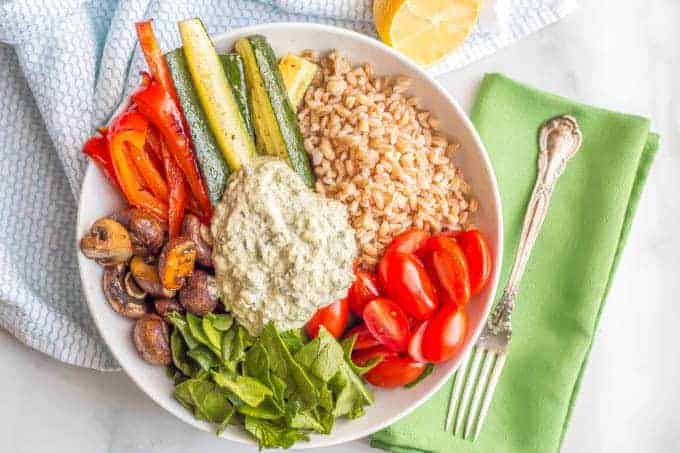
{"points": [[456, 391], [482, 382], [470, 385], [488, 395]]}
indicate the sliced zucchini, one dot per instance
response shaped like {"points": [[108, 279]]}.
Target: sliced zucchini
{"points": [[215, 94], [297, 74], [210, 160], [274, 119], [233, 68]]}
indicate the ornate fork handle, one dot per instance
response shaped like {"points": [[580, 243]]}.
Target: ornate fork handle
{"points": [[560, 138]]}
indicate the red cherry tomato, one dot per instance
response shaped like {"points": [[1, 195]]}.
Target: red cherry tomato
{"points": [[394, 370], [415, 344], [445, 334], [362, 356], [405, 280], [478, 257], [409, 241], [447, 266], [387, 323], [364, 289], [333, 317], [364, 338]]}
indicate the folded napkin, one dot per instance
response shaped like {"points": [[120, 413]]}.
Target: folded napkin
{"points": [[567, 278], [67, 71]]}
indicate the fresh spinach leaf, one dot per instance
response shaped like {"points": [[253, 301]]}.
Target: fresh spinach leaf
{"points": [[196, 328], [248, 389], [213, 335], [294, 339], [205, 358], [207, 401], [272, 435], [322, 357], [283, 365], [268, 410], [179, 354], [348, 347], [180, 323], [220, 322]]}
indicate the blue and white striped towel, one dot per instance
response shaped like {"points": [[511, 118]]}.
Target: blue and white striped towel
{"points": [[63, 70]]}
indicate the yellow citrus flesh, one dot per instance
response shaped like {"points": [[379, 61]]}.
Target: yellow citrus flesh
{"points": [[425, 30]]}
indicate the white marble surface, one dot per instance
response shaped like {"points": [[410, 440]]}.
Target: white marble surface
{"points": [[621, 54]]}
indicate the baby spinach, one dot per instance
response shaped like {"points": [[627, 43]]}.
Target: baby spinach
{"points": [[248, 389], [281, 385], [273, 435], [220, 322]]}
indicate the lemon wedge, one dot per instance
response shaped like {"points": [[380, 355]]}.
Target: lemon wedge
{"points": [[425, 30]]}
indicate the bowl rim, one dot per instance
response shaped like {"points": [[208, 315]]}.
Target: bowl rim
{"points": [[330, 439]]}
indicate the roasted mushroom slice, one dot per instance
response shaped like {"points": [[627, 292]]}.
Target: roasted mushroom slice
{"points": [[151, 336], [194, 229], [176, 262], [146, 276], [123, 216], [165, 306], [132, 288], [199, 295], [148, 233], [115, 290], [107, 242]]}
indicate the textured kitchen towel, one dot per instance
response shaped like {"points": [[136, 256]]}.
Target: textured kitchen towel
{"points": [[567, 277], [63, 71]]}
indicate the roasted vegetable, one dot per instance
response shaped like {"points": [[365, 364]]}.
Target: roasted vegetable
{"points": [[200, 234], [236, 74], [297, 74], [216, 95], [107, 242], [126, 135], [176, 262], [159, 107], [116, 293], [165, 306], [213, 165], [199, 294], [97, 149], [148, 234], [146, 277], [274, 118], [151, 336]]}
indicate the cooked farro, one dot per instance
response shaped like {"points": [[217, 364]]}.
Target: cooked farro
{"points": [[374, 149]]}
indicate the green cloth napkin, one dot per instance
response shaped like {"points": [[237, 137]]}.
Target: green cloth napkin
{"points": [[567, 278]]}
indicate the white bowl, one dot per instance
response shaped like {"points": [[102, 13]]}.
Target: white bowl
{"points": [[99, 199]]}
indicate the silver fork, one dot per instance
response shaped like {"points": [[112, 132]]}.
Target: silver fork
{"points": [[475, 381]]}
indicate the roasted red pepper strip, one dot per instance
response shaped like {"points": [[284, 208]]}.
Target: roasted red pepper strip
{"points": [[158, 107], [153, 178], [125, 131], [178, 193], [98, 150], [155, 58]]}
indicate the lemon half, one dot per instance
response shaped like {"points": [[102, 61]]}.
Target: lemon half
{"points": [[425, 30]]}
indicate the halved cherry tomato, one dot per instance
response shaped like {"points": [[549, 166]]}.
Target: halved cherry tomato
{"points": [[394, 370], [364, 338], [333, 317], [447, 266], [445, 334], [409, 241], [405, 281], [387, 323], [415, 344], [478, 257], [364, 289]]}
